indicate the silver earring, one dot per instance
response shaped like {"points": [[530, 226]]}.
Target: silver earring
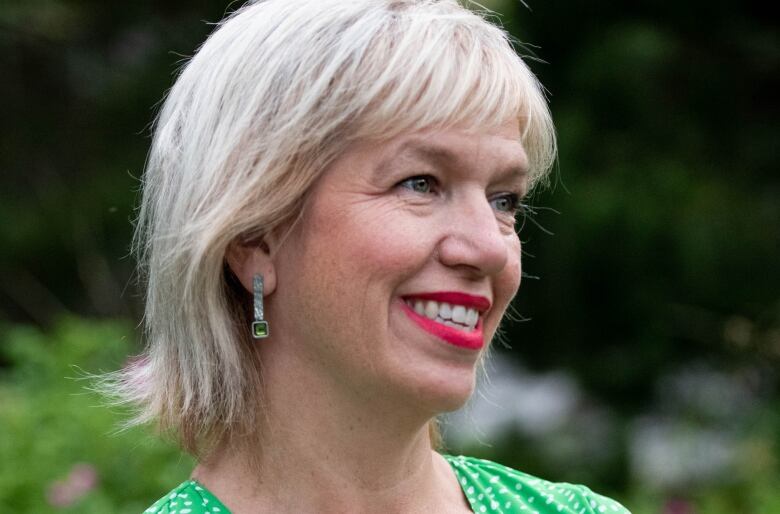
{"points": [[259, 325]]}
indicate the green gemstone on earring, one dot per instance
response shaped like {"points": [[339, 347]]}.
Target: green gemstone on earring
{"points": [[260, 329]]}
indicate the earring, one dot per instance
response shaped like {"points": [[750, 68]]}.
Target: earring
{"points": [[259, 325]]}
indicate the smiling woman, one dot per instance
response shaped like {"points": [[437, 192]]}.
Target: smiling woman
{"points": [[327, 236]]}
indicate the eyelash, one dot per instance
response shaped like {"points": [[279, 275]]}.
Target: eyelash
{"points": [[516, 206], [417, 178]]}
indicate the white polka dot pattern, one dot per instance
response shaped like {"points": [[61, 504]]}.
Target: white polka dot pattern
{"points": [[492, 488], [189, 498], [489, 488]]}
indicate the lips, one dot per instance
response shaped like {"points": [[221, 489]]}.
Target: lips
{"points": [[462, 336], [480, 303]]}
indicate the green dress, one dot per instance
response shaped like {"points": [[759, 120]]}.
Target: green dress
{"points": [[489, 487]]}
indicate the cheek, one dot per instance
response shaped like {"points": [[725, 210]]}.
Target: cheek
{"points": [[508, 280], [352, 260], [379, 249], [349, 263], [373, 244], [515, 254]]}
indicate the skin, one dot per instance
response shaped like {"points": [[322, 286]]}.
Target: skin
{"points": [[368, 237]]}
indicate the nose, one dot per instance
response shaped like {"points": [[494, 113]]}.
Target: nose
{"points": [[475, 241]]}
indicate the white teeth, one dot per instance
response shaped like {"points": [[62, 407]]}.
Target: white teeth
{"points": [[431, 310], [471, 317], [458, 316]]}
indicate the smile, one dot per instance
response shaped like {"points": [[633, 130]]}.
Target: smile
{"points": [[455, 316], [452, 317]]}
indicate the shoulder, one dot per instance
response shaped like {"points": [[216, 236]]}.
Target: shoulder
{"points": [[188, 498], [492, 487]]}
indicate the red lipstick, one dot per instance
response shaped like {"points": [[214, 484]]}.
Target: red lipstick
{"points": [[472, 340], [454, 297]]}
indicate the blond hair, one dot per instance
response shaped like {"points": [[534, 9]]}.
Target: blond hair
{"points": [[274, 95]]}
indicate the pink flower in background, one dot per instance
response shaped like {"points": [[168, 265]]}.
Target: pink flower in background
{"points": [[82, 479], [678, 506]]}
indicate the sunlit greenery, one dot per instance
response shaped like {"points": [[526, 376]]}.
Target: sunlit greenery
{"points": [[51, 427]]}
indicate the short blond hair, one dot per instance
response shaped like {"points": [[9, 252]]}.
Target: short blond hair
{"points": [[274, 95]]}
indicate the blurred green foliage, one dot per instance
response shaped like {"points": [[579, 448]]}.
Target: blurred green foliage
{"points": [[51, 426]]}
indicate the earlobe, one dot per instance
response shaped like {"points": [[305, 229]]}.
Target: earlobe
{"points": [[249, 259]]}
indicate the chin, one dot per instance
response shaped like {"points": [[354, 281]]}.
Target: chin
{"points": [[447, 394]]}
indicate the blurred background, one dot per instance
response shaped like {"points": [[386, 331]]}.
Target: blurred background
{"points": [[645, 355]]}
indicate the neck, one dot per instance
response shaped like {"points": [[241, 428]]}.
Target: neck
{"points": [[321, 452]]}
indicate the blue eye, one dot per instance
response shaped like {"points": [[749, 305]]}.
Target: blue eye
{"points": [[420, 184], [508, 202]]}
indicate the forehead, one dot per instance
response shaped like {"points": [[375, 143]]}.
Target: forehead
{"points": [[497, 148]]}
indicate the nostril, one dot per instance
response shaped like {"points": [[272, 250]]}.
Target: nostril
{"points": [[484, 254]]}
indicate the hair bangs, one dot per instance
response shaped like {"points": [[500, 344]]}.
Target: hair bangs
{"points": [[464, 75]]}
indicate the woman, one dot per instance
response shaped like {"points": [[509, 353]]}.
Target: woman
{"points": [[327, 233]]}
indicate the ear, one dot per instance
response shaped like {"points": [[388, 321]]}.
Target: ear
{"points": [[247, 259]]}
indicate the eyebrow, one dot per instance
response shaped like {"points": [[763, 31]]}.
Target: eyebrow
{"points": [[442, 156]]}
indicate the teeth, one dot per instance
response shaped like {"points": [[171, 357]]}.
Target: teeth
{"points": [[471, 317], [457, 316], [431, 310]]}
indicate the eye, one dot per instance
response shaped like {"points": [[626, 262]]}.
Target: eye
{"points": [[419, 184], [507, 202]]}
